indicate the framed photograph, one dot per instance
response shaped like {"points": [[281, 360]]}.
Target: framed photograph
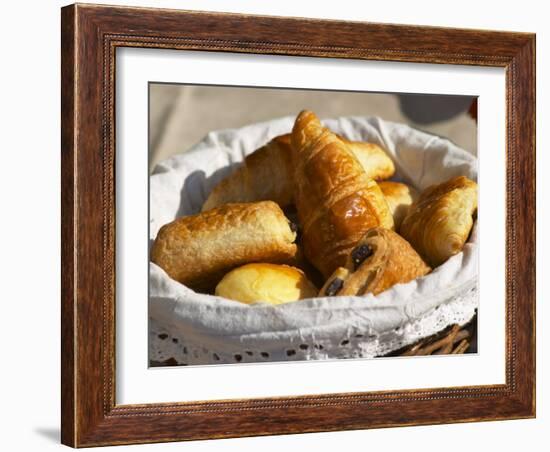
{"points": [[282, 225]]}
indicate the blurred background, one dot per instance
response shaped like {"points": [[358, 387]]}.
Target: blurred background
{"points": [[181, 115]]}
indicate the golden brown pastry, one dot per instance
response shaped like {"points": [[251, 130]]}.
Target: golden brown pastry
{"points": [[381, 259], [439, 222], [198, 250], [335, 199], [400, 197], [372, 158], [268, 174], [269, 283]]}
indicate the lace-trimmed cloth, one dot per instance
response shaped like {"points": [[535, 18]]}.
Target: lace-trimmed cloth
{"points": [[191, 328]]}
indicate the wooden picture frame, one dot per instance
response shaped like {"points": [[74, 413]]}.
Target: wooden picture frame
{"points": [[90, 36]]}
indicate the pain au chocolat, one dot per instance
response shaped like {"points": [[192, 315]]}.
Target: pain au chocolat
{"points": [[198, 250], [381, 259]]}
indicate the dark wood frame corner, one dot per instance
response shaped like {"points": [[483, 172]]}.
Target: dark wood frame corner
{"points": [[90, 36]]}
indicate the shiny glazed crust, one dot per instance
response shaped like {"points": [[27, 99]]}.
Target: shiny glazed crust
{"points": [[392, 261], [399, 197], [439, 222], [268, 174], [198, 250], [335, 199], [269, 283]]}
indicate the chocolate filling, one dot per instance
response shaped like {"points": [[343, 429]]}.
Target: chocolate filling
{"points": [[334, 287], [359, 254]]}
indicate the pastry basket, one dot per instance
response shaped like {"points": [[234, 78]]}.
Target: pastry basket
{"points": [[432, 314]]}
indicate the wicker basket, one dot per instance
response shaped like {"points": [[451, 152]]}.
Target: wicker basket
{"points": [[195, 329]]}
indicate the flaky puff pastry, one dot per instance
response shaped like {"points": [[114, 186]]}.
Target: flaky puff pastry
{"points": [[335, 199], [381, 259], [268, 283], [198, 250], [372, 158], [399, 197], [268, 174], [439, 222]]}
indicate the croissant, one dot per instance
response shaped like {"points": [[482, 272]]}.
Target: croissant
{"points": [[439, 222], [335, 199], [198, 250], [381, 259], [372, 158], [399, 197], [268, 174]]}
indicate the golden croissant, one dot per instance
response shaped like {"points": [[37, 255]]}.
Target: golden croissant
{"points": [[372, 158], [336, 201], [268, 174], [439, 222]]}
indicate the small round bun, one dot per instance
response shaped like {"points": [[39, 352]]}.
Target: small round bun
{"points": [[267, 283]]}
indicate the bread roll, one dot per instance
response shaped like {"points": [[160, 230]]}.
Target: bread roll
{"points": [[269, 283], [198, 250]]}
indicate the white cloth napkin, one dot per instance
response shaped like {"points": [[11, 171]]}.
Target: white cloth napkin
{"points": [[378, 324]]}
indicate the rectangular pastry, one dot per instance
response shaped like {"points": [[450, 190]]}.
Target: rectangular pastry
{"points": [[198, 250]]}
